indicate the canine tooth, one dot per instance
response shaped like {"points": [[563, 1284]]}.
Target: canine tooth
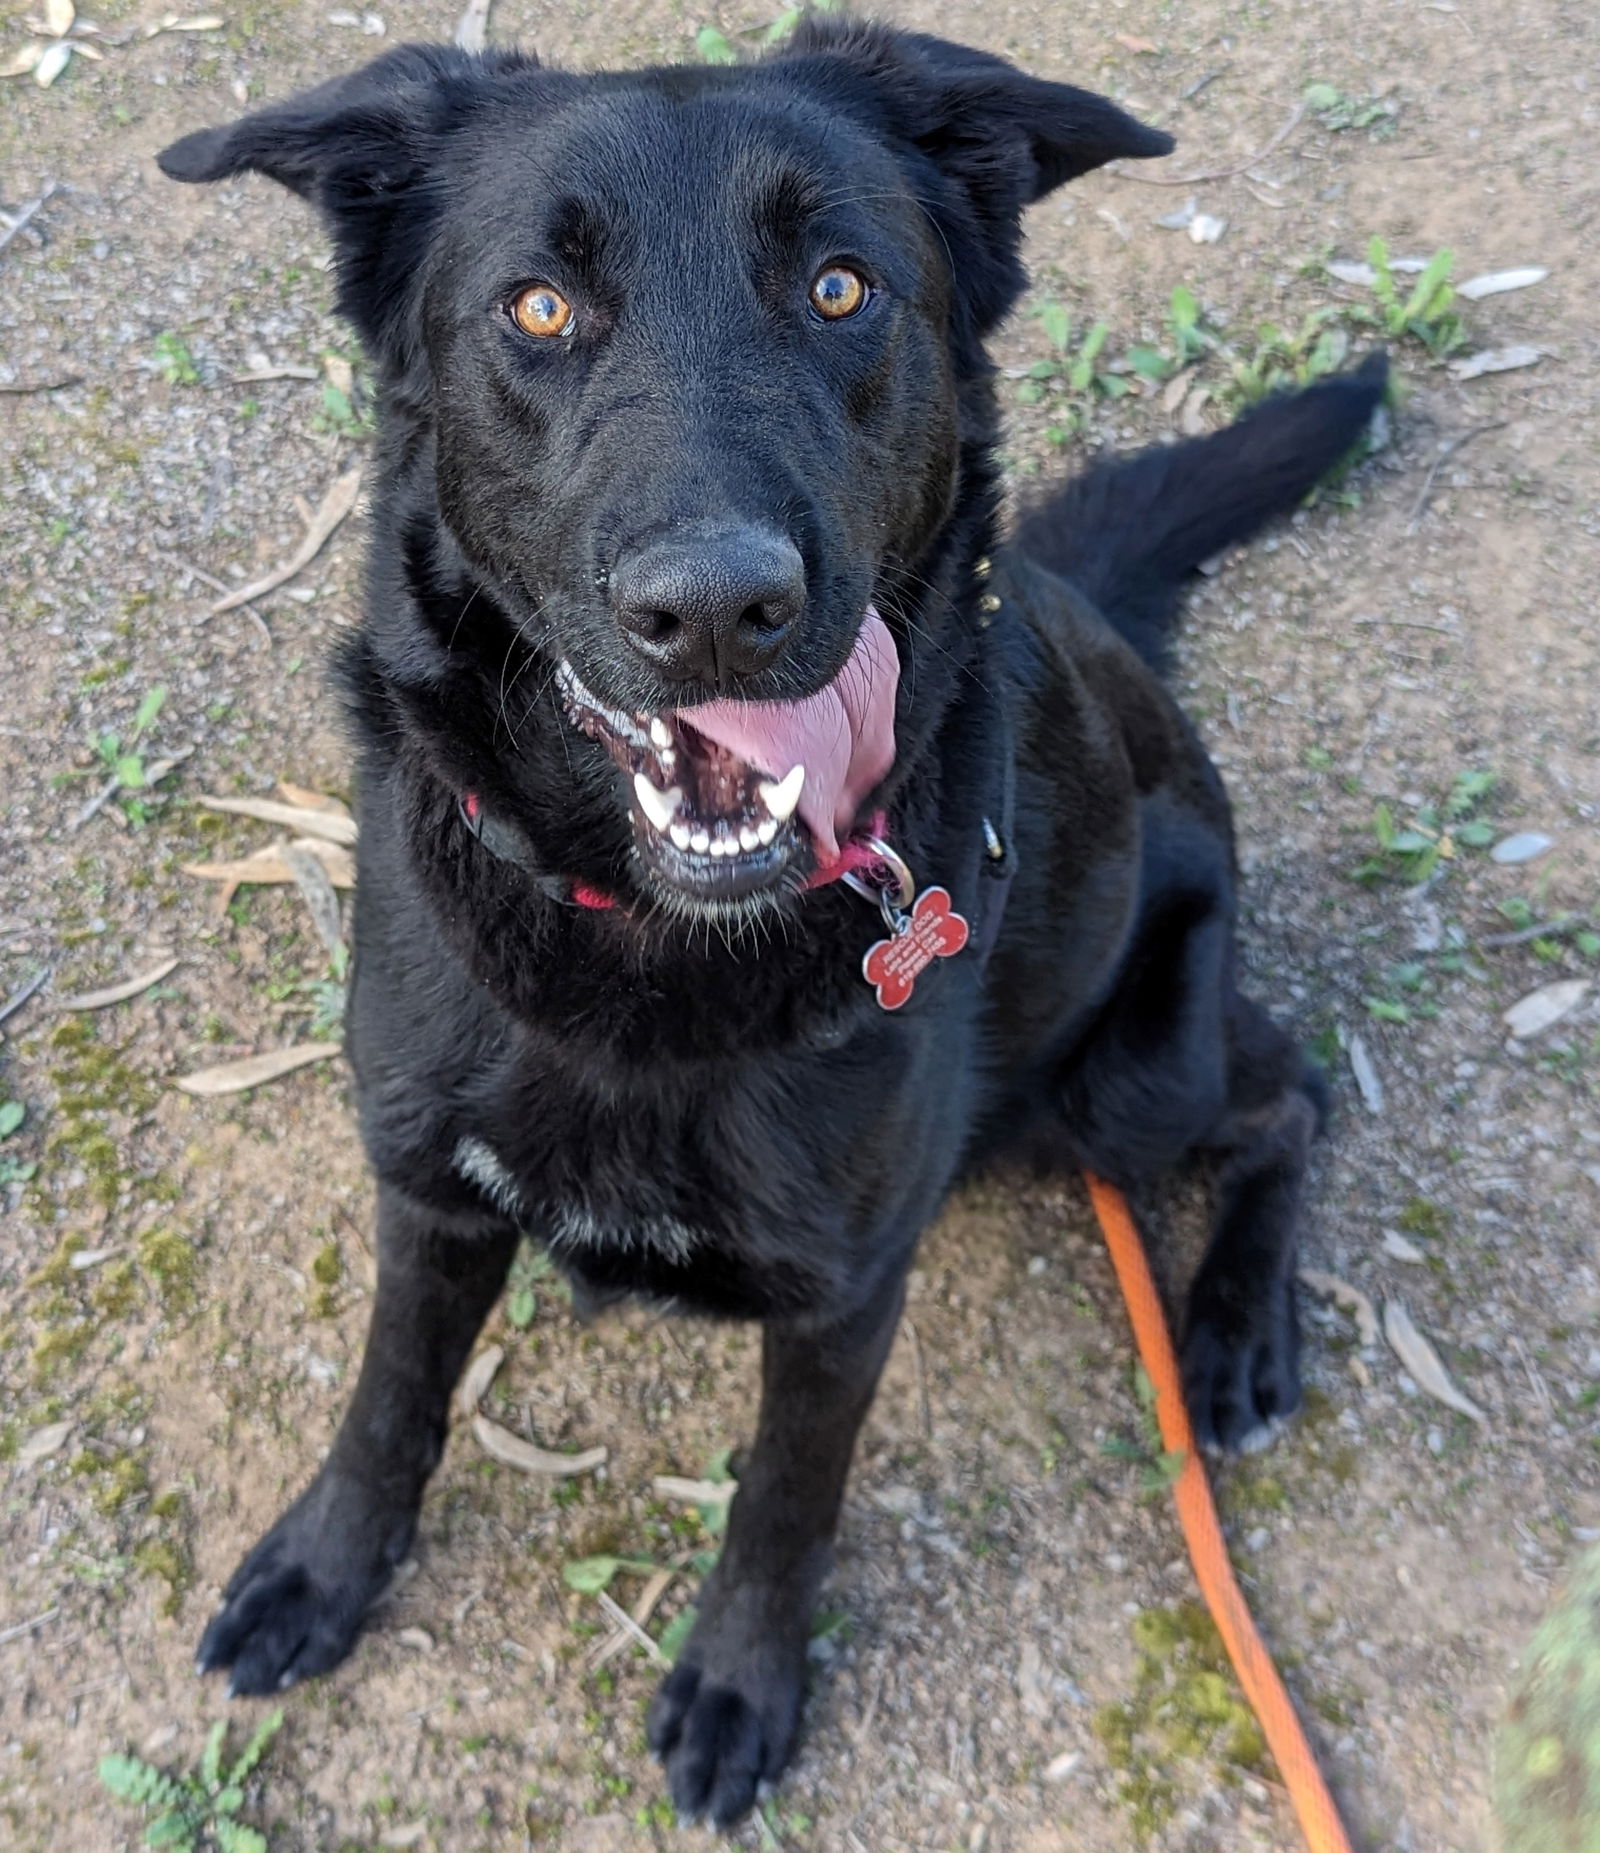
{"points": [[700, 842], [782, 797], [660, 732], [765, 832], [680, 835], [659, 806], [748, 838]]}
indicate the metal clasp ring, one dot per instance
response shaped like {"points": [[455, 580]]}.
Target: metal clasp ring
{"points": [[892, 900]]}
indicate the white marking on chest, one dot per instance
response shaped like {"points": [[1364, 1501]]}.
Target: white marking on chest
{"points": [[574, 1226], [479, 1164]]}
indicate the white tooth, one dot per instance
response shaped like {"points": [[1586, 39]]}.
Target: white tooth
{"points": [[765, 832], [668, 759], [748, 838], [719, 846], [680, 835], [700, 842], [659, 806], [781, 798], [660, 732]]}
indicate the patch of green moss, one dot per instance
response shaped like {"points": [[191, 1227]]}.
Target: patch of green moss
{"points": [[1424, 1219], [169, 1260], [116, 1291], [61, 1344], [92, 1080], [1185, 1708], [169, 1562], [117, 1477]]}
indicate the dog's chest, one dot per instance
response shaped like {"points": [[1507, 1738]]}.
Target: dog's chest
{"points": [[575, 1223]]}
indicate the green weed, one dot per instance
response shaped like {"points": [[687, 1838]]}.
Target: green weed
{"points": [[199, 1809], [174, 362]]}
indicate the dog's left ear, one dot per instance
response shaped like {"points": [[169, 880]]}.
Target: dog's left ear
{"points": [[365, 149], [1003, 138]]}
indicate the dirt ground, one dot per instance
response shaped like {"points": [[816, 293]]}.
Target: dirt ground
{"points": [[1013, 1666]]}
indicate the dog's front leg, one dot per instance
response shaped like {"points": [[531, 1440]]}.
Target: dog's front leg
{"points": [[296, 1603], [724, 1720]]}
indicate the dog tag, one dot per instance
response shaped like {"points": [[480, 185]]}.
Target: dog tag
{"points": [[932, 930]]}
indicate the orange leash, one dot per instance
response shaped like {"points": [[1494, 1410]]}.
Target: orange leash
{"points": [[1313, 1805]]}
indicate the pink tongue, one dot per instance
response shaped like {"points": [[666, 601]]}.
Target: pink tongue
{"points": [[843, 735]]}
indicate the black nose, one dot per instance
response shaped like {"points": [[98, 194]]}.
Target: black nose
{"points": [[714, 604]]}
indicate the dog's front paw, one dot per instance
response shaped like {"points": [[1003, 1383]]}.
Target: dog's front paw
{"points": [[1241, 1364], [724, 1723], [295, 1605]]}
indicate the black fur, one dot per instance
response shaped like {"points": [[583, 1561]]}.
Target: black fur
{"points": [[702, 1102]]}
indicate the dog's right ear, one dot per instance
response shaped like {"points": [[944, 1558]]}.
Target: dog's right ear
{"points": [[363, 148]]}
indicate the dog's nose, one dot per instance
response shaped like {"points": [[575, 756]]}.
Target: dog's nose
{"points": [[713, 605]]}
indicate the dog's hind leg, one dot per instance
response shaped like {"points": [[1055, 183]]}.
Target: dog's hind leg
{"points": [[295, 1605], [1241, 1340], [724, 1719]]}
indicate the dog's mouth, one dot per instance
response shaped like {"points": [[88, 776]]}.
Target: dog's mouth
{"points": [[727, 796]]}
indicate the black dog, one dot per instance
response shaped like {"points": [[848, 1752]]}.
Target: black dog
{"points": [[687, 599]]}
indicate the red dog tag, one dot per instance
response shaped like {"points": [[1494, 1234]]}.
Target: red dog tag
{"points": [[932, 930]]}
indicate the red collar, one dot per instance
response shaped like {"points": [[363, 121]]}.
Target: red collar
{"points": [[855, 855]]}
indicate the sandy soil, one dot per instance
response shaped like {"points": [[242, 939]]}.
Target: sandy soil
{"points": [[1013, 1666]]}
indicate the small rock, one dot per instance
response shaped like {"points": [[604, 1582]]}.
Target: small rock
{"points": [[1258, 1540], [1361, 1066], [1436, 1441], [158, 1740], [1398, 1248], [410, 1835], [1180, 220], [1037, 1265], [419, 1639], [1548, 1005], [1206, 228], [1522, 847], [1060, 1767]]}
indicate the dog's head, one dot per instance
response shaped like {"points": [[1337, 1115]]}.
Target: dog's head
{"points": [[678, 357]]}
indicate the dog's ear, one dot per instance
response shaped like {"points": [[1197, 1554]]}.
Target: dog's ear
{"points": [[363, 148], [1003, 138]]}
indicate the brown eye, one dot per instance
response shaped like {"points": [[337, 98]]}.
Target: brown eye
{"points": [[837, 292], [540, 310]]}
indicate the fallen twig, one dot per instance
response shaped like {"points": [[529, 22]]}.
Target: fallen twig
{"points": [[23, 992], [629, 1626], [1458, 442], [16, 1632], [66, 379], [1220, 173], [21, 218], [336, 504], [1563, 923], [117, 993], [261, 374]]}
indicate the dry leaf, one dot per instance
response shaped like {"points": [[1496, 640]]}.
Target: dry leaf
{"points": [[1495, 360], [311, 878], [58, 16], [325, 824], [336, 504], [523, 1455], [308, 800], [1497, 282], [117, 993], [1549, 1004], [694, 1492], [255, 1070], [479, 1374], [44, 1442], [20, 63], [52, 62], [268, 867], [1352, 1299], [1129, 43], [174, 22], [1361, 1066], [1422, 1361]]}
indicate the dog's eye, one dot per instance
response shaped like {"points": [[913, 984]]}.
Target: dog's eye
{"points": [[837, 291], [540, 310]]}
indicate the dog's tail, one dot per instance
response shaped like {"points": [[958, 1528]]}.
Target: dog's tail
{"points": [[1129, 533]]}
